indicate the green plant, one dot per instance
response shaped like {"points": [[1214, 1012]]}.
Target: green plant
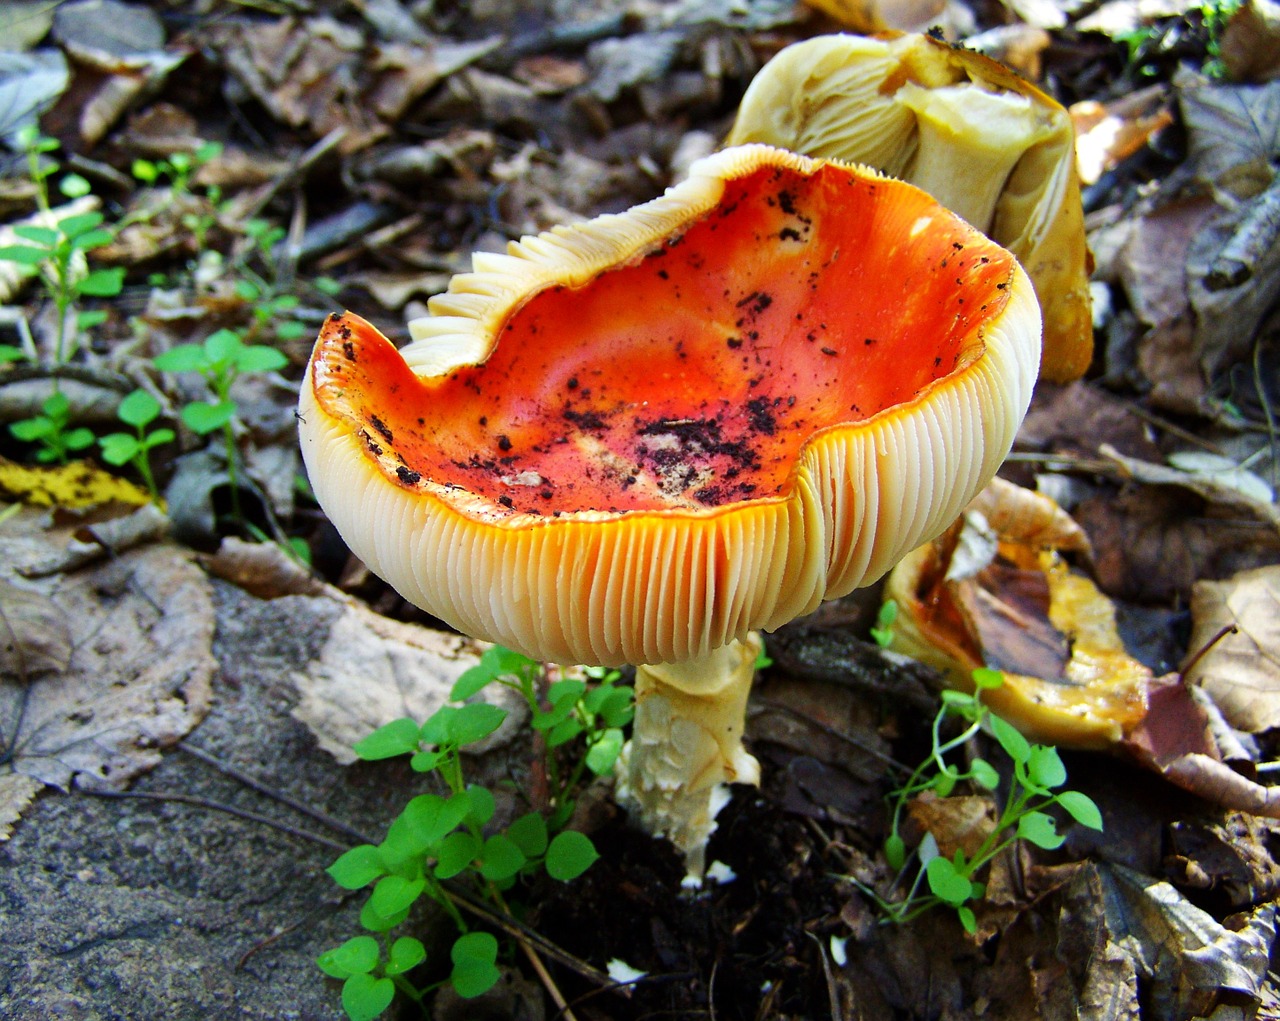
{"points": [[139, 410], [222, 359], [1037, 773], [569, 710], [447, 838], [176, 172], [882, 631], [52, 249], [51, 430]]}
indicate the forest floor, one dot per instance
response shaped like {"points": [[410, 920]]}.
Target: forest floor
{"points": [[179, 692]]}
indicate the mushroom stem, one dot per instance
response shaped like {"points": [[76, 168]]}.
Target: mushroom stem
{"points": [[970, 140], [687, 744]]}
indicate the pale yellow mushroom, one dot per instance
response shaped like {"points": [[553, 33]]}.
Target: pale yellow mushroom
{"points": [[984, 142], [642, 438]]}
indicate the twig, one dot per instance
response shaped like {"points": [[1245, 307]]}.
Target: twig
{"points": [[1267, 411], [217, 806], [249, 781], [515, 928], [1169, 427], [299, 168]]}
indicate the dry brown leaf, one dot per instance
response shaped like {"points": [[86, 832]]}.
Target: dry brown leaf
{"points": [[35, 637], [372, 670], [316, 73], [1251, 42], [1241, 671], [140, 664], [1184, 960], [961, 822], [1152, 543], [1068, 677], [16, 793], [1109, 133], [1221, 489], [262, 569]]}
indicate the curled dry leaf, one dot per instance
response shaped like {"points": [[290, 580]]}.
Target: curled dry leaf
{"points": [[1068, 678], [139, 669], [1251, 42], [871, 16], [1227, 486], [1241, 671], [1109, 133]]}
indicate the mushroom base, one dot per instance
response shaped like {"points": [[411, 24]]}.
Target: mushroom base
{"points": [[687, 744]]}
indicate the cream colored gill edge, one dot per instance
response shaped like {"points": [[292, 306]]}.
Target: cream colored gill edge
{"points": [[465, 320]]}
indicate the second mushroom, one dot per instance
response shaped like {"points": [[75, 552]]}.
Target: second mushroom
{"points": [[642, 438]]}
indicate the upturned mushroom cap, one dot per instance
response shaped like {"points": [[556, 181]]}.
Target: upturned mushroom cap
{"points": [[638, 438], [984, 142]]}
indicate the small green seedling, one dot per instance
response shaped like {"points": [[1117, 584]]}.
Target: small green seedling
{"points": [[596, 714], [448, 837], [51, 429], [177, 172], [52, 250], [222, 359], [138, 410], [882, 632], [1037, 773]]}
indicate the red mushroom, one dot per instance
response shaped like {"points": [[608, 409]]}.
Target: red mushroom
{"points": [[641, 438]]}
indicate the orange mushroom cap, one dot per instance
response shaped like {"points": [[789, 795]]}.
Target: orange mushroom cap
{"points": [[638, 438]]}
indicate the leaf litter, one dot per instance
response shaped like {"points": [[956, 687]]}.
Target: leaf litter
{"points": [[449, 130]]}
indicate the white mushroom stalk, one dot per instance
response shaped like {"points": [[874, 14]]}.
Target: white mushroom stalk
{"points": [[642, 438], [688, 745]]}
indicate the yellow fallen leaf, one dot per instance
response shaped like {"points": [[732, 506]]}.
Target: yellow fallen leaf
{"points": [[1068, 679], [77, 484]]}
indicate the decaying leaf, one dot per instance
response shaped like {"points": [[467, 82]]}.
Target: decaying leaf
{"points": [[1226, 486], [373, 670], [16, 793], [1241, 671], [871, 16], [1251, 42], [76, 484], [1182, 959], [35, 637], [312, 73], [139, 664], [1109, 133], [960, 822], [1068, 678]]}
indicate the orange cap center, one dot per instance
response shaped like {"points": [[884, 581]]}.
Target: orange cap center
{"points": [[692, 376]]}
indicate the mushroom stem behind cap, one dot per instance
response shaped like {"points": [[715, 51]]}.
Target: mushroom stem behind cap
{"points": [[688, 745], [970, 141]]}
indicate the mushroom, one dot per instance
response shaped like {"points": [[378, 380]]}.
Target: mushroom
{"points": [[642, 438], [984, 142]]}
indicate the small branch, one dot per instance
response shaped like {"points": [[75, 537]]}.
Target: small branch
{"points": [[216, 806], [298, 806]]}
